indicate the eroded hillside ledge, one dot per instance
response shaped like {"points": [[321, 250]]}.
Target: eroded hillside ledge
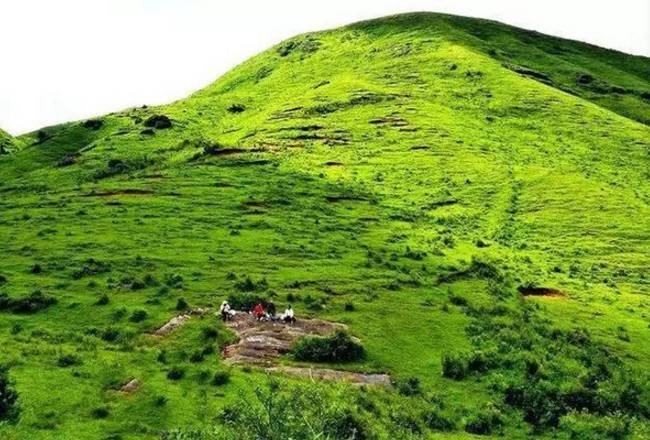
{"points": [[262, 343]]}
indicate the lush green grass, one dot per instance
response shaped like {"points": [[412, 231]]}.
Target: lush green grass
{"points": [[7, 142], [376, 162]]}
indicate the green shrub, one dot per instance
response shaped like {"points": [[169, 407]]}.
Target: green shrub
{"points": [[409, 386], [209, 333], [68, 360], [454, 366], [103, 300], [339, 347], [221, 378], [485, 422], [8, 397], [249, 285], [32, 303], [458, 300], [182, 304], [138, 316], [176, 373], [585, 426], [436, 421], [197, 356], [100, 412], [244, 301], [110, 334]]}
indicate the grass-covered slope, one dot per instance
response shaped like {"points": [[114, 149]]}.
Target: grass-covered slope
{"points": [[409, 176], [7, 142]]}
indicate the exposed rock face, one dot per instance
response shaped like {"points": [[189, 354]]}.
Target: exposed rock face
{"points": [[261, 343], [335, 375], [131, 386], [178, 321]]}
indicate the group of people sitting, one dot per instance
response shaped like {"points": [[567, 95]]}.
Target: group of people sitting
{"points": [[261, 312]]}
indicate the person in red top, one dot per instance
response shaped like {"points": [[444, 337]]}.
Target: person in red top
{"points": [[259, 312]]}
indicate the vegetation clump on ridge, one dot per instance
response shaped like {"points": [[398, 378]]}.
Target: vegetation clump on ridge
{"points": [[414, 177]]}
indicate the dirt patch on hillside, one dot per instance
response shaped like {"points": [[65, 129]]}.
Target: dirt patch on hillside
{"points": [[262, 343], [343, 198], [121, 192], [548, 292], [219, 151]]}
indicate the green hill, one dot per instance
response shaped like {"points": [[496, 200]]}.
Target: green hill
{"points": [[470, 198], [7, 142]]}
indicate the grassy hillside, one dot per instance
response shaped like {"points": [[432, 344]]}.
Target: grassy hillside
{"points": [[457, 191], [7, 142]]}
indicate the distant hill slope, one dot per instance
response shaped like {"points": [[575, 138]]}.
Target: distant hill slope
{"points": [[7, 142], [469, 186]]}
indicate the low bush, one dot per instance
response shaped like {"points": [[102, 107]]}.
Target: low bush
{"points": [[250, 285], [236, 108], [585, 426], [176, 373], [244, 301], [197, 356], [32, 303], [221, 378], [182, 304], [437, 421], [454, 366], [90, 268], [209, 333], [8, 397], [409, 386], [339, 347], [110, 334], [488, 420], [100, 412], [138, 316], [103, 300], [458, 300], [68, 360]]}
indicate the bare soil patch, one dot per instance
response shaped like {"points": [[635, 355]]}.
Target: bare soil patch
{"points": [[122, 192], [548, 292]]}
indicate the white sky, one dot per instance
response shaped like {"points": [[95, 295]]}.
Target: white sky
{"points": [[63, 60]]}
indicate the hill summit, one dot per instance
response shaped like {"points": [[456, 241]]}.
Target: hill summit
{"points": [[470, 199]]}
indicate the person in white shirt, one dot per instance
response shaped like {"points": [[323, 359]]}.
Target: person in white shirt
{"points": [[226, 312], [288, 316]]}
